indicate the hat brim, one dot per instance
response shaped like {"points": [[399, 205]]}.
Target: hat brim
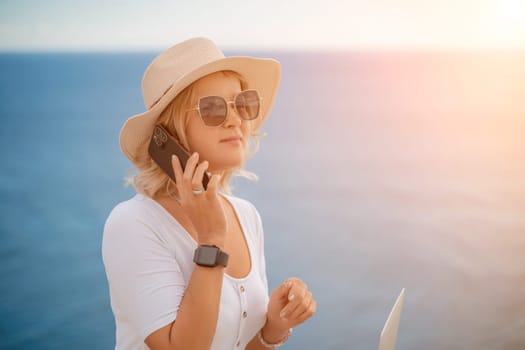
{"points": [[262, 74]]}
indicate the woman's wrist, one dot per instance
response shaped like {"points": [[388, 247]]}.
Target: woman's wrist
{"points": [[271, 336], [216, 241]]}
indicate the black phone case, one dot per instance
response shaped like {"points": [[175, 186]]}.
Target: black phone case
{"points": [[162, 146]]}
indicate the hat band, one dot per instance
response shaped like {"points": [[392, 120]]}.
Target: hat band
{"points": [[161, 96]]}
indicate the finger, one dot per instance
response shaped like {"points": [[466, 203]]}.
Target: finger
{"points": [[211, 191], [296, 305], [295, 297], [296, 281], [282, 293], [283, 289], [196, 182], [177, 169], [189, 170], [297, 288], [302, 307], [309, 312]]}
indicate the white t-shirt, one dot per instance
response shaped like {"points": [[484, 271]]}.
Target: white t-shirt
{"points": [[148, 257]]}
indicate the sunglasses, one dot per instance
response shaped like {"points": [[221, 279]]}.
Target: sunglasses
{"points": [[214, 109]]}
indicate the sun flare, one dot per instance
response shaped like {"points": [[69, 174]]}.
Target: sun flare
{"points": [[504, 21], [513, 10]]}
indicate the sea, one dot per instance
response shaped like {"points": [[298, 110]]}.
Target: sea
{"points": [[380, 170]]}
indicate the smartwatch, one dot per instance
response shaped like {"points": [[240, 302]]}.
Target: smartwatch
{"points": [[210, 256]]}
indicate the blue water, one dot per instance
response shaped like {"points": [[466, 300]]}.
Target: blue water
{"points": [[380, 171]]}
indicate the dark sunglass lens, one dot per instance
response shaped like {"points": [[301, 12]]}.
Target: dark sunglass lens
{"points": [[213, 110], [248, 104]]}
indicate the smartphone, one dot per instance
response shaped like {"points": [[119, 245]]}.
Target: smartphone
{"points": [[162, 146]]}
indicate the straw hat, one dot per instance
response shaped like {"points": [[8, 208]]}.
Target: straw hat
{"points": [[179, 66]]}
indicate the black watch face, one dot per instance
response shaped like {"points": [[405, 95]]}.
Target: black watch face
{"points": [[207, 256]]}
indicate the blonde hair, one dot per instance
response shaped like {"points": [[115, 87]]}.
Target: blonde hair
{"points": [[151, 180]]}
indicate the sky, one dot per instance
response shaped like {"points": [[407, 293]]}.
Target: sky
{"points": [[108, 25]]}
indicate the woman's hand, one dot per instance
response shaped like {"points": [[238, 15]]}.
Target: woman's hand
{"points": [[205, 211], [290, 305]]}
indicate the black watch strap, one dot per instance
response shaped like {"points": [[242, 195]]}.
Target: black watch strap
{"points": [[210, 256]]}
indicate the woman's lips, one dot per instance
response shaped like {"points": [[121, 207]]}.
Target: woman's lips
{"points": [[232, 140]]}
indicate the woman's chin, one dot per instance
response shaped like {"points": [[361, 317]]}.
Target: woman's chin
{"points": [[225, 165]]}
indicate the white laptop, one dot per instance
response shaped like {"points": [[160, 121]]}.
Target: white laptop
{"points": [[387, 340]]}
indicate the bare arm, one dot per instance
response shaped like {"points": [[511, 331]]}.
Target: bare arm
{"points": [[198, 313], [196, 320]]}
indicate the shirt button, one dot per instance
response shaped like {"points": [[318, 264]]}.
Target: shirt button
{"points": [[238, 343], [244, 314], [242, 289]]}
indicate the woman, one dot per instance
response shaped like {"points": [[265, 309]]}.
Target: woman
{"points": [[185, 264]]}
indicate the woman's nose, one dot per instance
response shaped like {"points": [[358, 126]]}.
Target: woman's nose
{"points": [[232, 118]]}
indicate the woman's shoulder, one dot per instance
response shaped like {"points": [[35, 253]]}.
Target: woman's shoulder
{"points": [[138, 214], [135, 207], [138, 221]]}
